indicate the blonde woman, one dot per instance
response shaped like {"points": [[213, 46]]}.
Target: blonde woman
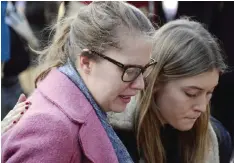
{"points": [[97, 61], [171, 119]]}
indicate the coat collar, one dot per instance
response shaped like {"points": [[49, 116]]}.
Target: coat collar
{"points": [[63, 93], [59, 89]]}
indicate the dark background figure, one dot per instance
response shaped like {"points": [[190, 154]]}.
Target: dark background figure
{"points": [[5, 35], [40, 16], [18, 62]]}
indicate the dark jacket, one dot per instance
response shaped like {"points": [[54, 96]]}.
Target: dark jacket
{"points": [[224, 139], [169, 137]]}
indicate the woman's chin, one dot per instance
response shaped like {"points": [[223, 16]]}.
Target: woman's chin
{"points": [[184, 126], [118, 108]]}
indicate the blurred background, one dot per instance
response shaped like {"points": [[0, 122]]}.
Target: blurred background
{"points": [[26, 23]]}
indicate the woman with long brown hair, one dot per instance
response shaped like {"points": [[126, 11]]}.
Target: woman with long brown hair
{"points": [[174, 114], [171, 117], [172, 121]]}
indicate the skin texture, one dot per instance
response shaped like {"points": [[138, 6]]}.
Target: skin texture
{"points": [[103, 78], [182, 101], [16, 113]]}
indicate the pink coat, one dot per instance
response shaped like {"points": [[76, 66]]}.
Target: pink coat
{"points": [[60, 127]]}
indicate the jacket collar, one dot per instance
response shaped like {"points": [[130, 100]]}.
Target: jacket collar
{"points": [[59, 89], [63, 93]]}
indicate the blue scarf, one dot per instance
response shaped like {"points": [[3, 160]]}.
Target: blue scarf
{"points": [[121, 152]]}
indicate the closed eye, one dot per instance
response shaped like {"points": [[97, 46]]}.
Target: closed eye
{"points": [[191, 95]]}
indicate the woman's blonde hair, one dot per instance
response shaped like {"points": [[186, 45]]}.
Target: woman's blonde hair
{"points": [[97, 27], [183, 48]]}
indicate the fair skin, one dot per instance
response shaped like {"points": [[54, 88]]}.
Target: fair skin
{"points": [[182, 101], [103, 78], [15, 114]]}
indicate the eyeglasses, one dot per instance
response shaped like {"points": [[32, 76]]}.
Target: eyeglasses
{"points": [[130, 72]]}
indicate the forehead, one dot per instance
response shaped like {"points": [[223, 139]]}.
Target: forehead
{"points": [[135, 49], [206, 80]]}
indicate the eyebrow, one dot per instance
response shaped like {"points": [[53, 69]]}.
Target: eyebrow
{"points": [[198, 88]]}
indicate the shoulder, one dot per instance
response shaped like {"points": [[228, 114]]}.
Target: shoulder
{"points": [[64, 95], [224, 140], [42, 125], [222, 134], [45, 115], [45, 110], [38, 137]]}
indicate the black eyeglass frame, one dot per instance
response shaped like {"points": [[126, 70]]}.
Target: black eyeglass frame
{"points": [[125, 67]]}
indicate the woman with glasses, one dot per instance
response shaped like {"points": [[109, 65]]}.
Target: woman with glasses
{"points": [[171, 120], [97, 61]]}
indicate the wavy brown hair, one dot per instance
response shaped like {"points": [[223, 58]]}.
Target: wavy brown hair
{"points": [[183, 48]]}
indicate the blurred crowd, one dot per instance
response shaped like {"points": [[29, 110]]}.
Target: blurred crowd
{"points": [[27, 25]]}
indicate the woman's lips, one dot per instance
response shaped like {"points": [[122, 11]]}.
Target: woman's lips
{"points": [[125, 99]]}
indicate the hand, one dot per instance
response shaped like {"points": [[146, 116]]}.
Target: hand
{"points": [[15, 114]]}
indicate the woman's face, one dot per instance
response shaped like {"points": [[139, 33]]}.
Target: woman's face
{"points": [[182, 101], [104, 78]]}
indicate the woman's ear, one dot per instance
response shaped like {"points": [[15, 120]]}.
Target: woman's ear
{"points": [[85, 63]]}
